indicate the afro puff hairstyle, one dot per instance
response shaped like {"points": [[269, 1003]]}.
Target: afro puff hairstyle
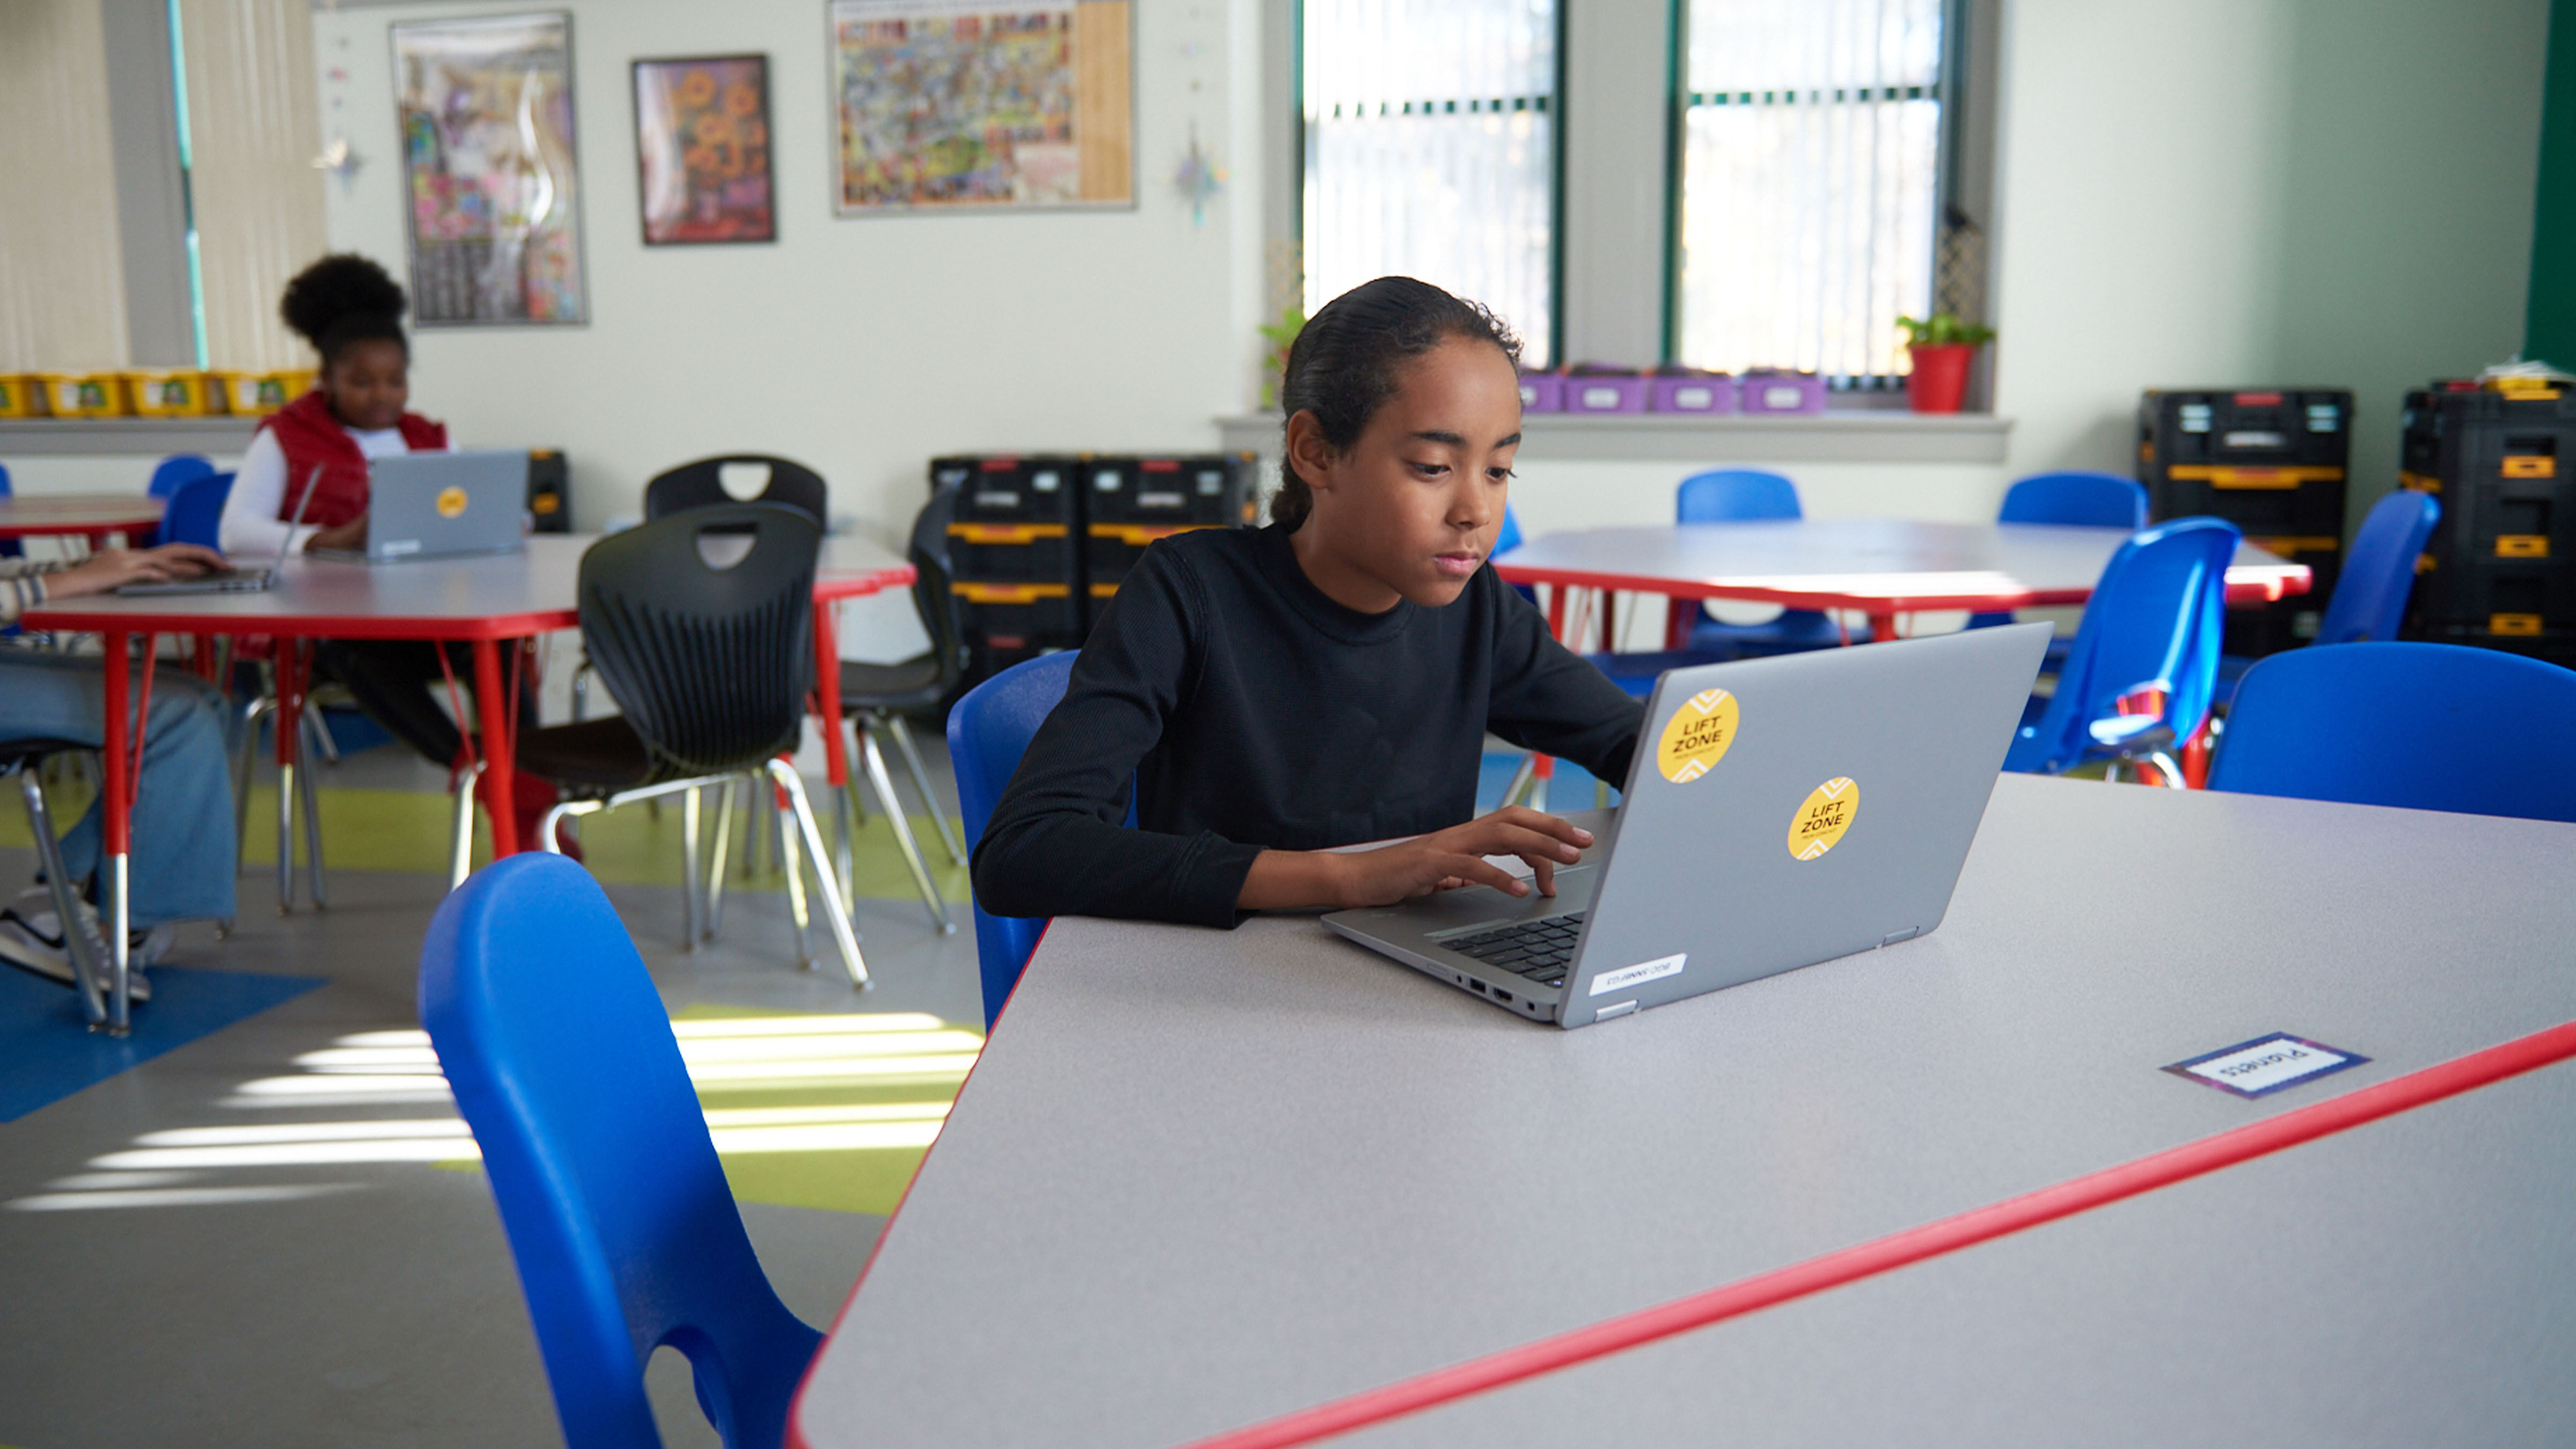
{"points": [[343, 299]]}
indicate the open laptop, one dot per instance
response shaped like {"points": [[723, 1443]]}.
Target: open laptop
{"points": [[1779, 812], [236, 581], [441, 505]]}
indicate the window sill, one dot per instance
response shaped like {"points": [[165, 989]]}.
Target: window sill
{"points": [[115, 437], [1842, 435]]}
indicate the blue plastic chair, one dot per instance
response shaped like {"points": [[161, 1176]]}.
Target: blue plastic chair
{"points": [[2423, 726], [168, 477], [1739, 495], [564, 1064], [2369, 599], [988, 730], [8, 546], [196, 511], [2153, 623], [1507, 538], [2077, 498]]}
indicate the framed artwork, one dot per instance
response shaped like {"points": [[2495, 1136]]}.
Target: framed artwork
{"points": [[702, 147], [962, 104], [488, 169]]}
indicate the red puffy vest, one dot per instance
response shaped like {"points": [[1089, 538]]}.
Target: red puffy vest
{"points": [[310, 436]]}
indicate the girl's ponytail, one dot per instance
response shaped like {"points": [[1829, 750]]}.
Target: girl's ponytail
{"points": [[1344, 365]]}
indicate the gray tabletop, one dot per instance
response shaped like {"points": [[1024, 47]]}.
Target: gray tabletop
{"points": [[488, 596], [2406, 1283], [1878, 564], [1201, 1179]]}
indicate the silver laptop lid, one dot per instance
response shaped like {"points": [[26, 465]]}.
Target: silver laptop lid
{"points": [[429, 505], [1786, 811]]}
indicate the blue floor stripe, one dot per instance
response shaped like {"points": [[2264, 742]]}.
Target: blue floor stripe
{"points": [[47, 1051]]}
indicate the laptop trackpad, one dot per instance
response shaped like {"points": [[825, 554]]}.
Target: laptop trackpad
{"points": [[1479, 906]]}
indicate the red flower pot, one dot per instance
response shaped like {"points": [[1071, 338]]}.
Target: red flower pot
{"points": [[1940, 380]]}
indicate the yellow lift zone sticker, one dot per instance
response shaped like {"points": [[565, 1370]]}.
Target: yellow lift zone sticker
{"points": [[1821, 821], [451, 502], [1697, 736]]}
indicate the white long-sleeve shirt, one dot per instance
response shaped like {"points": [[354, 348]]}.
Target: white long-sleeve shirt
{"points": [[252, 526]]}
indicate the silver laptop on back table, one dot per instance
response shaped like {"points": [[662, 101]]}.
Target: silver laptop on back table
{"points": [[440, 505], [1779, 812]]}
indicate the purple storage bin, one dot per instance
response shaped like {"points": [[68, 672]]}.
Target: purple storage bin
{"points": [[1781, 392], [1542, 392], [1605, 392], [1712, 392]]}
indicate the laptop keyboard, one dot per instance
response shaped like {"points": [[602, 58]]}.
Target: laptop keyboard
{"points": [[1536, 949]]}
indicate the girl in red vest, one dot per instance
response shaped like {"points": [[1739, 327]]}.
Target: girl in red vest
{"points": [[351, 312]]}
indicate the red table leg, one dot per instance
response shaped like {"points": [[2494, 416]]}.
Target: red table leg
{"points": [[1882, 627], [827, 692], [492, 703], [116, 820], [1679, 615]]}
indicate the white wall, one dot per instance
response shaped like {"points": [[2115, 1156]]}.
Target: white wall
{"points": [[2332, 193], [862, 347]]}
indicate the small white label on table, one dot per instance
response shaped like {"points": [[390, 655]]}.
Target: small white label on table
{"points": [[2266, 1064]]}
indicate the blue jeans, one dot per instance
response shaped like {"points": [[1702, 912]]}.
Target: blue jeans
{"points": [[184, 844]]}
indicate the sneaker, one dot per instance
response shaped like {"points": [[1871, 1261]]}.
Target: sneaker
{"points": [[31, 939]]}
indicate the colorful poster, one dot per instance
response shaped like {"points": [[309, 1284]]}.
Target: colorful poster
{"points": [[487, 136], [966, 103], [702, 143]]}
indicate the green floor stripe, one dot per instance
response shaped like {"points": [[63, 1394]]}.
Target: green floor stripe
{"points": [[407, 830]]}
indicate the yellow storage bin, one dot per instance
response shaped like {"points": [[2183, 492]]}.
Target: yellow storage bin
{"points": [[82, 394], [256, 394], [165, 392], [18, 396]]}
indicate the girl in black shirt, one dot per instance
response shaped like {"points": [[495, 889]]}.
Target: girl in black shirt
{"points": [[1326, 680]]}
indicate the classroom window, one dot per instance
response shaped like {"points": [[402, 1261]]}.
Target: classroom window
{"points": [[1430, 151], [1810, 159]]}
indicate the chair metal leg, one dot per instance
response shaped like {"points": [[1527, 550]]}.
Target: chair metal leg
{"points": [[286, 838], [689, 866], [308, 789], [875, 762], [716, 862], [581, 689], [921, 781], [796, 911], [1520, 781], [322, 740], [86, 952], [843, 935], [842, 876], [460, 840]]}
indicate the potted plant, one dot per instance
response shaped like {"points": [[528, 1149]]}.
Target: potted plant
{"points": [[1281, 335], [1942, 346]]}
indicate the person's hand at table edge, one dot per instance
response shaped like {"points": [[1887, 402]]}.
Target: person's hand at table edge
{"points": [[1443, 860], [104, 573], [349, 535]]}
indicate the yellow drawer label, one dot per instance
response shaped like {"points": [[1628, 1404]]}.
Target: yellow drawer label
{"points": [[2522, 545], [1009, 593], [2530, 465], [2522, 625], [1141, 534], [1005, 532], [2219, 476], [2304, 543], [2420, 482], [1104, 591]]}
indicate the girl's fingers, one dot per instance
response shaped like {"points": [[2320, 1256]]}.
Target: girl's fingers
{"points": [[1475, 870]]}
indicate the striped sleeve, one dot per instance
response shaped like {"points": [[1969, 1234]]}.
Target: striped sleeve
{"points": [[22, 587]]}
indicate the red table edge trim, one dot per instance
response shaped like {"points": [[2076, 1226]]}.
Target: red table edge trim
{"points": [[1912, 1245], [796, 1405], [68, 615], [2273, 586]]}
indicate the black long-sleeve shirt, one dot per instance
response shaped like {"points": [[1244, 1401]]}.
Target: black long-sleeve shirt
{"points": [[1251, 711]]}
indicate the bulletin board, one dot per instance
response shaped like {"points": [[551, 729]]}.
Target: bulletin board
{"points": [[960, 104], [492, 189]]}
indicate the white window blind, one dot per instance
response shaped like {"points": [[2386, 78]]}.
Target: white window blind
{"points": [[1811, 138], [1430, 151]]}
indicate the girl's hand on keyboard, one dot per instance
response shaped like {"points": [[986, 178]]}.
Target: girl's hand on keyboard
{"points": [[1443, 860]]}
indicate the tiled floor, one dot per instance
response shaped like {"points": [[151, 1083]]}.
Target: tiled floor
{"points": [[251, 1239]]}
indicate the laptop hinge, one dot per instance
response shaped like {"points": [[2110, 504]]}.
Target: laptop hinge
{"points": [[1622, 1009], [1908, 934]]}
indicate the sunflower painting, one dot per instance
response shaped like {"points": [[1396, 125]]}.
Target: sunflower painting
{"points": [[702, 145]]}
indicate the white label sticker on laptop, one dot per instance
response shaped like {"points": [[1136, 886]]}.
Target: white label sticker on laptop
{"points": [[397, 547], [1637, 975]]}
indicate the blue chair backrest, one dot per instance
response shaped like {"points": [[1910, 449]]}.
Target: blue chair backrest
{"points": [[2096, 500], [564, 1064], [2424, 726], [1508, 537], [2370, 597], [2153, 622], [1729, 495], [196, 512], [988, 730], [175, 470], [8, 546]]}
